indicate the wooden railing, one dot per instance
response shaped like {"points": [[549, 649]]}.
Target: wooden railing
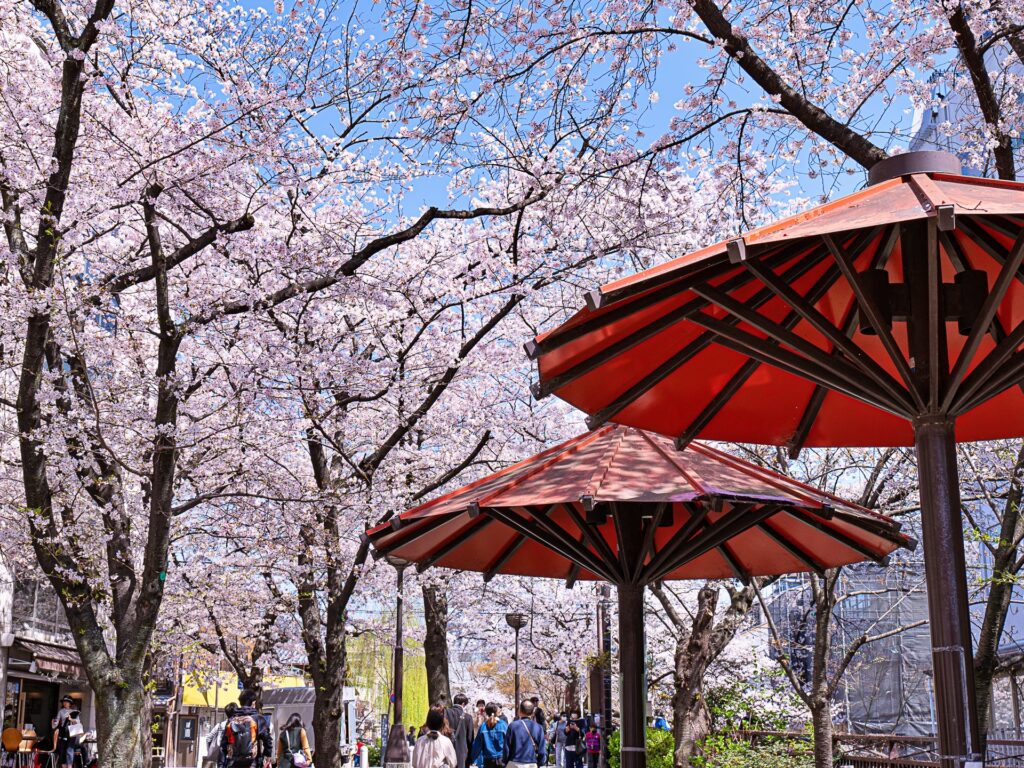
{"points": [[892, 750]]}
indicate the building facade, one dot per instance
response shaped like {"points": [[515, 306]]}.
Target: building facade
{"points": [[39, 664]]}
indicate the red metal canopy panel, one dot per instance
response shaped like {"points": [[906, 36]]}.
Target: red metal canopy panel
{"points": [[700, 513], [781, 336]]}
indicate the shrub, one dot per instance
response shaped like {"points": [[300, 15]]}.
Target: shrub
{"points": [[660, 748], [724, 751]]}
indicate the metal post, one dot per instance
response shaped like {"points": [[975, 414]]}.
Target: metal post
{"points": [[396, 753], [633, 677], [517, 701], [946, 578], [517, 621]]}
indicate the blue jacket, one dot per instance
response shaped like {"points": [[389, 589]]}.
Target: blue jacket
{"points": [[489, 742], [518, 745]]}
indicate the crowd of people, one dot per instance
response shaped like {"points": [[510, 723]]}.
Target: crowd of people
{"points": [[453, 737], [244, 739]]}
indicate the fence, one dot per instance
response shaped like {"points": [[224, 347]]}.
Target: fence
{"points": [[893, 751]]}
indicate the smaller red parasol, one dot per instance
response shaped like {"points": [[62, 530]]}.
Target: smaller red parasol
{"points": [[623, 505], [563, 512]]}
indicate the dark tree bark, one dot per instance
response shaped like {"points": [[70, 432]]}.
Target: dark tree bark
{"points": [[435, 642], [698, 642]]}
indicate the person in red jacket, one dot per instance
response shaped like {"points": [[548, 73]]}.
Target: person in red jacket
{"points": [[593, 742]]}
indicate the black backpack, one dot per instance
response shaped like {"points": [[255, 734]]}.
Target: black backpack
{"points": [[243, 746]]}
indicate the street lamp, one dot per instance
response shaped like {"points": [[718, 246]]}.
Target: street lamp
{"points": [[517, 621], [396, 751]]}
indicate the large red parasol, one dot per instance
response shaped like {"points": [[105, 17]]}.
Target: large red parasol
{"points": [[624, 505], [893, 316]]}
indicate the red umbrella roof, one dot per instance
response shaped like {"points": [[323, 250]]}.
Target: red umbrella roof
{"points": [[781, 336], [733, 518]]}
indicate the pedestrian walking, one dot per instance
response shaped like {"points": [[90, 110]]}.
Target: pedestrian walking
{"points": [[246, 741], [463, 730], [293, 744], [558, 739], [489, 745], [538, 713], [69, 738], [593, 744], [574, 745], [433, 749], [525, 745]]}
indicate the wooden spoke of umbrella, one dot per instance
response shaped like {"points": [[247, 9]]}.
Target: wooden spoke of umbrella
{"points": [[734, 564], [737, 520], [983, 238], [677, 315], [625, 308], [991, 367], [792, 547], [817, 371], [580, 554], [584, 555], [572, 576], [591, 534], [984, 320], [1009, 375], [698, 516], [874, 316], [690, 351], [847, 541], [786, 338], [849, 328], [938, 351], [737, 380], [961, 263], [647, 547], [504, 556], [530, 530], [621, 294], [840, 341], [887, 529], [453, 541], [406, 531]]}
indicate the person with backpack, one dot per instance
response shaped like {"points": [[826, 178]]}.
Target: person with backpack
{"points": [[433, 749], [293, 745], [246, 741], [525, 745], [213, 751], [593, 743], [489, 745]]}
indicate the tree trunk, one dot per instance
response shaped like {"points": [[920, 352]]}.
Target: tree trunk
{"points": [[821, 717], [327, 709], [435, 642], [119, 724], [689, 726]]}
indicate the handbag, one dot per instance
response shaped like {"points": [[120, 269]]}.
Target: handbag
{"points": [[298, 756]]}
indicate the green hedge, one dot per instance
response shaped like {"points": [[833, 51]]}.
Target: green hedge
{"points": [[660, 748], [724, 751]]}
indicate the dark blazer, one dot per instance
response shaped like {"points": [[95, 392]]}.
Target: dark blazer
{"points": [[461, 723]]}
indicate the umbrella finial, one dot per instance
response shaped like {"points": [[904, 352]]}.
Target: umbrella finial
{"points": [[908, 163]]}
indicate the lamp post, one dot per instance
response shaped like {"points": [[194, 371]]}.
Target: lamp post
{"points": [[396, 752], [517, 621]]}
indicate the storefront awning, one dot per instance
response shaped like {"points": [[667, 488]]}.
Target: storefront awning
{"points": [[53, 658], [222, 689]]}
